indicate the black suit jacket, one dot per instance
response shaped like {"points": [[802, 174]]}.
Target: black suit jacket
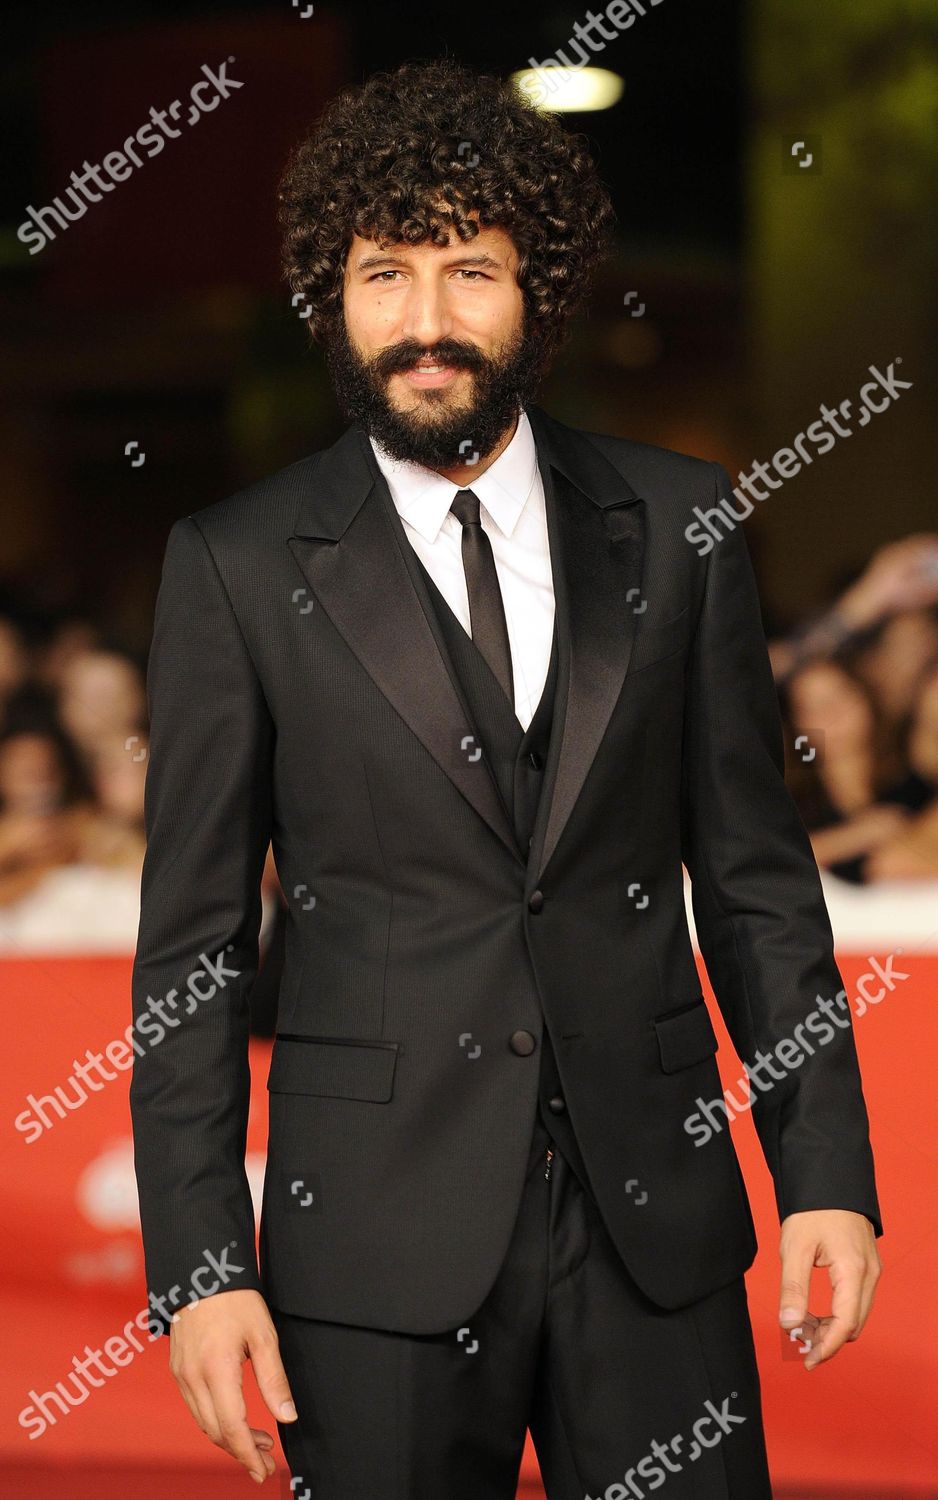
{"points": [[299, 694]]}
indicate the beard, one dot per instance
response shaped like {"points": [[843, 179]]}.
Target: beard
{"points": [[438, 430]]}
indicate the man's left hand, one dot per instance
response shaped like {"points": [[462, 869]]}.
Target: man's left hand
{"points": [[845, 1244]]}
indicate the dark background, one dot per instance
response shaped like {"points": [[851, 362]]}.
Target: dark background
{"points": [[160, 317]]}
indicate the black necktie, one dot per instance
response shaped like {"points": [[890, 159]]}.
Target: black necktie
{"points": [[486, 611]]}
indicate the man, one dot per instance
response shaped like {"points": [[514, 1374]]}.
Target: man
{"points": [[467, 674]]}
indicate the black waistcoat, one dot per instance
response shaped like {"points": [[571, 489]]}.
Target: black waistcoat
{"points": [[517, 758]]}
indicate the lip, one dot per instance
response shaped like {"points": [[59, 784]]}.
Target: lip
{"points": [[424, 379]]}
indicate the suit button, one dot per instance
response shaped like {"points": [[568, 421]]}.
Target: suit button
{"points": [[556, 1105], [522, 1043], [536, 901]]}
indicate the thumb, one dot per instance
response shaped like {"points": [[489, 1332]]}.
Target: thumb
{"points": [[271, 1379], [797, 1265]]}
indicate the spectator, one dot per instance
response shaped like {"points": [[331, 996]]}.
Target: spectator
{"points": [[889, 617], [115, 836], [912, 851], [44, 807], [893, 660], [102, 698], [62, 641], [846, 769], [14, 664]]}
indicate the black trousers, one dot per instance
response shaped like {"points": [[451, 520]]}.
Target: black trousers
{"points": [[622, 1398]]}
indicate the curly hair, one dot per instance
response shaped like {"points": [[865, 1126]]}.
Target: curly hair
{"points": [[412, 154]]}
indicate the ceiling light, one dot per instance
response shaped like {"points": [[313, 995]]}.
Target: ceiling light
{"points": [[570, 89]]}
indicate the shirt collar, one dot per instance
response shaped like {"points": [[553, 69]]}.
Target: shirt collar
{"points": [[422, 497]]}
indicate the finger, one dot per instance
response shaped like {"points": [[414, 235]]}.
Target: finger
{"points": [[867, 1293], [205, 1408], [265, 1445], [844, 1318], [797, 1265], [830, 1338], [189, 1397], [848, 1281], [195, 1393], [225, 1383], [805, 1334], [270, 1375]]}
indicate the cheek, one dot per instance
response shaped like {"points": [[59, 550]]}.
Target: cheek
{"points": [[496, 323], [368, 319], [381, 311]]}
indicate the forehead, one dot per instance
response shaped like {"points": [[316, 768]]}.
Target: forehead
{"points": [[491, 240]]}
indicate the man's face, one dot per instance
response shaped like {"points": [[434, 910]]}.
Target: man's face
{"points": [[433, 356]]}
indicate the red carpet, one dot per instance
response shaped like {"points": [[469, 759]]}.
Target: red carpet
{"points": [[71, 1272], [97, 1482]]}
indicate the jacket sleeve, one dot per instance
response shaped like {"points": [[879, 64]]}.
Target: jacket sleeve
{"points": [[762, 924], [207, 814]]}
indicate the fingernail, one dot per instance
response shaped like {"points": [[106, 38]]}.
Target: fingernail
{"points": [[789, 1312], [288, 1412]]}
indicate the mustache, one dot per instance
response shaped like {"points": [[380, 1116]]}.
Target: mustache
{"points": [[405, 355]]}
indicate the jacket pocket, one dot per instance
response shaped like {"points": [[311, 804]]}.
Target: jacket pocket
{"points": [[685, 1036], [337, 1067]]}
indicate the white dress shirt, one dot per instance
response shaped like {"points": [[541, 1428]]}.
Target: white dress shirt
{"points": [[514, 518]]}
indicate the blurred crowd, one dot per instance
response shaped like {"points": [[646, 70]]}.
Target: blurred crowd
{"points": [[73, 751], [73, 757], [859, 690], [858, 685]]}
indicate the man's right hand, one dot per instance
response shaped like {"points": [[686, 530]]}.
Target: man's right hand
{"points": [[209, 1342]]}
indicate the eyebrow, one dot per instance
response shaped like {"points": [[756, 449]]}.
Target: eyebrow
{"points": [[369, 262]]}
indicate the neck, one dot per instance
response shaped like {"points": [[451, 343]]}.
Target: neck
{"points": [[463, 474]]}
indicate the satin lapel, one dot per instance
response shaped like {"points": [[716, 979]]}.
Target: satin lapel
{"points": [[596, 559], [350, 554]]}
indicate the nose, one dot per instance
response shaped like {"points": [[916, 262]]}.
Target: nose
{"points": [[426, 315]]}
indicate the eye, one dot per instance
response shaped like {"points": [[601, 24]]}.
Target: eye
{"points": [[465, 271], [380, 275]]}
